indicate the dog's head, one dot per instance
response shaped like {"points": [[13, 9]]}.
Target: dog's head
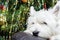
{"points": [[40, 23]]}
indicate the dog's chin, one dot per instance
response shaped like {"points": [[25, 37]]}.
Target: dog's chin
{"points": [[44, 36]]}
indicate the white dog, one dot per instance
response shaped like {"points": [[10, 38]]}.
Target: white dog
{"points": [[46, 23], [40, 21]]}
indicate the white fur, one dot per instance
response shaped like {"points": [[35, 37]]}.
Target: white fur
{"points": [[51, 17], [57, 28], [56, 37], [56, 11], [38, 18], [32, 11], [44, 16], [31, 21], [45, 31]]}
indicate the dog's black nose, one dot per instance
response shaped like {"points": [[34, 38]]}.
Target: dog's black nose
{"points": [[35, 33]]}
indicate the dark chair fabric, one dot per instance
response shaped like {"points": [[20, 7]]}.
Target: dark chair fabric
{"points": [[24, 36]]}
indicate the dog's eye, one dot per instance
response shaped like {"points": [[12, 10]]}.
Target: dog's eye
{"points": [[33, 23], [45, 23]]}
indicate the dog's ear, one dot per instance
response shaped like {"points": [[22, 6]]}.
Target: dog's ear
{"points": [[32, 11], [56, 8]]}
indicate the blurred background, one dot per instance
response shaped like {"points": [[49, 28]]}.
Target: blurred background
{"points": [[14, 13]]}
